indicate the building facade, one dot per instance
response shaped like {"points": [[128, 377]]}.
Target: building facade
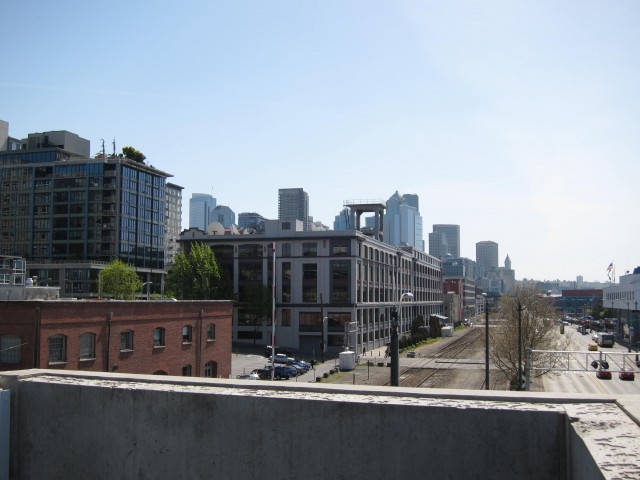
{"points": [[173, 222], [402, 222], [164, 338], [293, 204], [623, 298], [339, 285], [200, 206], [69, 215], [452, 234], [224, 215]]}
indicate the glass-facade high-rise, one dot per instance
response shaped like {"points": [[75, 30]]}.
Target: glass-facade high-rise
{"points": [[68, 215], [200, 207], [402, 221]]}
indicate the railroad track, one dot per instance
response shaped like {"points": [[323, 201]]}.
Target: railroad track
{"points": [[428, 372]]}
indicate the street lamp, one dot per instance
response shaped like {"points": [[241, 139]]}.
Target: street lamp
{"points": [[486, 341], [395, 354]]}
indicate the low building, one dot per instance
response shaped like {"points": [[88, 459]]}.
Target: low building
{"points": [[157, 337]]}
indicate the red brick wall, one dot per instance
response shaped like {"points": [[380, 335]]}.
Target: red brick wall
{"points": [[73, 318]]}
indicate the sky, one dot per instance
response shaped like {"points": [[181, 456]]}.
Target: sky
{"points": [[518, 121]]}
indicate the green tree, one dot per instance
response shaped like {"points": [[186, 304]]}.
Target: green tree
{"points": [[133, 154], [119, 281], [540, 331], [195, 276]]}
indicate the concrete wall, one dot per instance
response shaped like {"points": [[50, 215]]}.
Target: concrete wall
{"points": [[105, 426]]}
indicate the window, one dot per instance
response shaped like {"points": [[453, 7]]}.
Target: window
{"points": [[339, 247], [211, 332], [10, 349], [126, 340], [186, 371], [186, 334], [211, 369], [87, 346], [57, 349], [310, 282], [286, 317], [309, 249], [158, 337], [286, 250]]}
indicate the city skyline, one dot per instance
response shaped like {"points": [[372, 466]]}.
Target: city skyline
{"points": [[516, 122]]}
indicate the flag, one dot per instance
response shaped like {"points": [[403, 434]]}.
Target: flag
{"points": [[610, 267]]}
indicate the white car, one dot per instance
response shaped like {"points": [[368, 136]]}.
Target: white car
{"points": [[594, 337], [281, 358]]}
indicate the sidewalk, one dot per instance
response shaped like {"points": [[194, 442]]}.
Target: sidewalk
{"points": [[320, 369]]}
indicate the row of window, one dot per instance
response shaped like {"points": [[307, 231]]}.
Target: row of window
{"points": [[10, 344]]}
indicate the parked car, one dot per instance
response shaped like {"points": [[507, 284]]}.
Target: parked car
{"points": [[627, 374], [251, 376], [279, 350], [594, 337], [262, 373], [281, 372], [304, 366], [411, 354], [283, 359], [593, 346], [603, 374]]}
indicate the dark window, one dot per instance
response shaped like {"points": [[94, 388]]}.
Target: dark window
{"points": [[57, 349], [126, 340], [310, 282], [186, 334], [211, 332], [309, 249], [87, 346]]}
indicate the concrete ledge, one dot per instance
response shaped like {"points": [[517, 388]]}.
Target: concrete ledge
{"points": [[135, 426]]}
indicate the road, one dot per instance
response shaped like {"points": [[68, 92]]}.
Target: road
{"points": [[586, 382]]}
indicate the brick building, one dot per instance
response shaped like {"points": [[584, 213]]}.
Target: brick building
{"points": [[191, 338]]}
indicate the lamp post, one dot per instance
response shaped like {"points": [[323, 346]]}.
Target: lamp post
{"points": [[486, 340], [395, 354]]}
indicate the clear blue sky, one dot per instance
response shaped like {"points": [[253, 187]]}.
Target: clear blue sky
{"points": [[517, 120]]}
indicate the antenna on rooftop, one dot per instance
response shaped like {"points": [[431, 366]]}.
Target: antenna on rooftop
{"points": [[103, 152], [114, 146]]}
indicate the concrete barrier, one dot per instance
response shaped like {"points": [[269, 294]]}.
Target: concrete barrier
{"points": [[78, 425]]}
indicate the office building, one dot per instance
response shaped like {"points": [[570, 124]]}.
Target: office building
{"points": [[200, 206], [438, 245], [174, 222], [402, 221], [452, 233], [68, 214], [350, 280], [251, 220], [293, 204], [223, 215]]}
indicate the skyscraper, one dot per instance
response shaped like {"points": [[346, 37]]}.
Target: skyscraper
{"points": [[402, 221], [223, 215], [452, 233], [293, 204], [486, 257], [438, 245], [200, 207]]}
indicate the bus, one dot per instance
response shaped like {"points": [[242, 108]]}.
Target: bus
{"points": [[605, 339]]}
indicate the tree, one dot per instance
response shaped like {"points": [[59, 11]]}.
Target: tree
{"points": [[195, 276], [133, 154], [540, 331], [119, 280]]}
